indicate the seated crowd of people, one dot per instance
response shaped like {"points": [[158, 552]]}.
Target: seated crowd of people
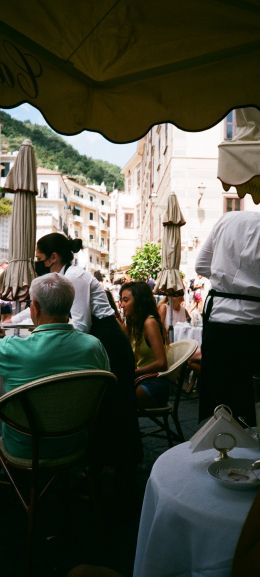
{"points": [[77, 325]]}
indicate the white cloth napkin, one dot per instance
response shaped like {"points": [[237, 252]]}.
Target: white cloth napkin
{"points": [[221, 422]]}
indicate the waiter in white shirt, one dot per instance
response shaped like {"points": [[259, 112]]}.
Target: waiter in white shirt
{"points": [[230, 259]]}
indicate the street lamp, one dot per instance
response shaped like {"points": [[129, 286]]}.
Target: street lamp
{"points": [[201, 189]]}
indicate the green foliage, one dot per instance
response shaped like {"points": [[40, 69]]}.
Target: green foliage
{"points": [[5, 207], [146, 262], [54, 153]]}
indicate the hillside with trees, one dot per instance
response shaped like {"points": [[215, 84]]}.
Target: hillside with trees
{"points": [[54, 153]]}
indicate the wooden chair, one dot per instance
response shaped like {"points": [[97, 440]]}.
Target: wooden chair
{"points": [[50, 408], [178, 354]]}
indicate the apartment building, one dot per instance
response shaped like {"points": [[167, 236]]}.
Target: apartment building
{"points": [[51, 203], [63, 205], [89, 207], [170, 160], [125, 217], [6, 163]]}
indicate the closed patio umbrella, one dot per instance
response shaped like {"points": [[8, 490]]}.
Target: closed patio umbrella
{"points": [[169, 280], [22, 181]]}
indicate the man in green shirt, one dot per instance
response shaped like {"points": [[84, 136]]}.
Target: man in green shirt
{"points": [[53, 346]]}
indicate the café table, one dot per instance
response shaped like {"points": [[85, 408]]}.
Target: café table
{"points": [[18, 329], [190, 522], [183, 331]]}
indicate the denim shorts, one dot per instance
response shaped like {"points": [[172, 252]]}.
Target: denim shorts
{"points": [[157, 388]]}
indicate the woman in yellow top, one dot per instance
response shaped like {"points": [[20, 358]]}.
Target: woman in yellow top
{"points": [[145, 331]]}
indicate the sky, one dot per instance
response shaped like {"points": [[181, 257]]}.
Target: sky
{"points": [[90, 143]]}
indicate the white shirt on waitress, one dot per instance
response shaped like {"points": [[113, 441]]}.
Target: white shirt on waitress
{"points": [[90, 298]]}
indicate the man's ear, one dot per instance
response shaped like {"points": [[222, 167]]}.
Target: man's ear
{"points": [[35, 311]]}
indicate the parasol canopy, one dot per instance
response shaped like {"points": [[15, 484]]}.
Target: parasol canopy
{"points": [[22, 181], [238, 161], [120, 66], [169, 279]]}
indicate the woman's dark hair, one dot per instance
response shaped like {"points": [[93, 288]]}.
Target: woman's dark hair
{"points": [[144, 306], [57, 242]]}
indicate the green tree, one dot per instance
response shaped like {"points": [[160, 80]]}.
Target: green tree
{"points": [[146, 262], [5, 207]]}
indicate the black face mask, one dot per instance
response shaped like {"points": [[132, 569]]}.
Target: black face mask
{"points": [[40, 267]]}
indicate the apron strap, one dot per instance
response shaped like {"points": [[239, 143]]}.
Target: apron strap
{"points": [[213, 293]]}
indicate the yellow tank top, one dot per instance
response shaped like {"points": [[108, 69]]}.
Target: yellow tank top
{"points": [[143, 353]]}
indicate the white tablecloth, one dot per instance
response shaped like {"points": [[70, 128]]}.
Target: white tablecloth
{"points": [[184, 331], [190, 523]]}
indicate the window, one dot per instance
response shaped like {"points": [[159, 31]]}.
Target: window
{"points": [[102, 202], [233, 203], [91, 216], [102, 241], [91, 198], [76, 191], [229, 126], [43, 189], [90, 258], [129, 220], [91, 237], [76, 233], [5, 167], [76, 210]]}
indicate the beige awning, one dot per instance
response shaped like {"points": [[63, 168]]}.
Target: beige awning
{"points": [[118, 67], [239, 158], [21, 180], [169, 279]]}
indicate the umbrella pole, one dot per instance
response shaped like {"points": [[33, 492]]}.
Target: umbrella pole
{"points": [[171, 329], [17, 310]]}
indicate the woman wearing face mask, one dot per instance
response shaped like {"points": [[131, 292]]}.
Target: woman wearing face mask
{"points": [[91, 312], [54, 253]]}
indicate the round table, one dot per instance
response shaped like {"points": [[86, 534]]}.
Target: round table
{"points": [[190, 523]]}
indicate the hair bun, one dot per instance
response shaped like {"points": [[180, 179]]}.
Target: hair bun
{"points": [[75, 244]]}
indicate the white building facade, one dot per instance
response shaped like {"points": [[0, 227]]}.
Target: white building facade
{"points": [[169, 160], [89, 220], [63, 205], [125, 217], [6, 162]]}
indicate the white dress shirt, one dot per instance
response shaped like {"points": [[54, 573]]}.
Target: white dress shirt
{"points": [[90, 298], [230, 259]]}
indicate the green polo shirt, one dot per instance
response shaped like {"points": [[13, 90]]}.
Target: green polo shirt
{"points": [[49, 349]]}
